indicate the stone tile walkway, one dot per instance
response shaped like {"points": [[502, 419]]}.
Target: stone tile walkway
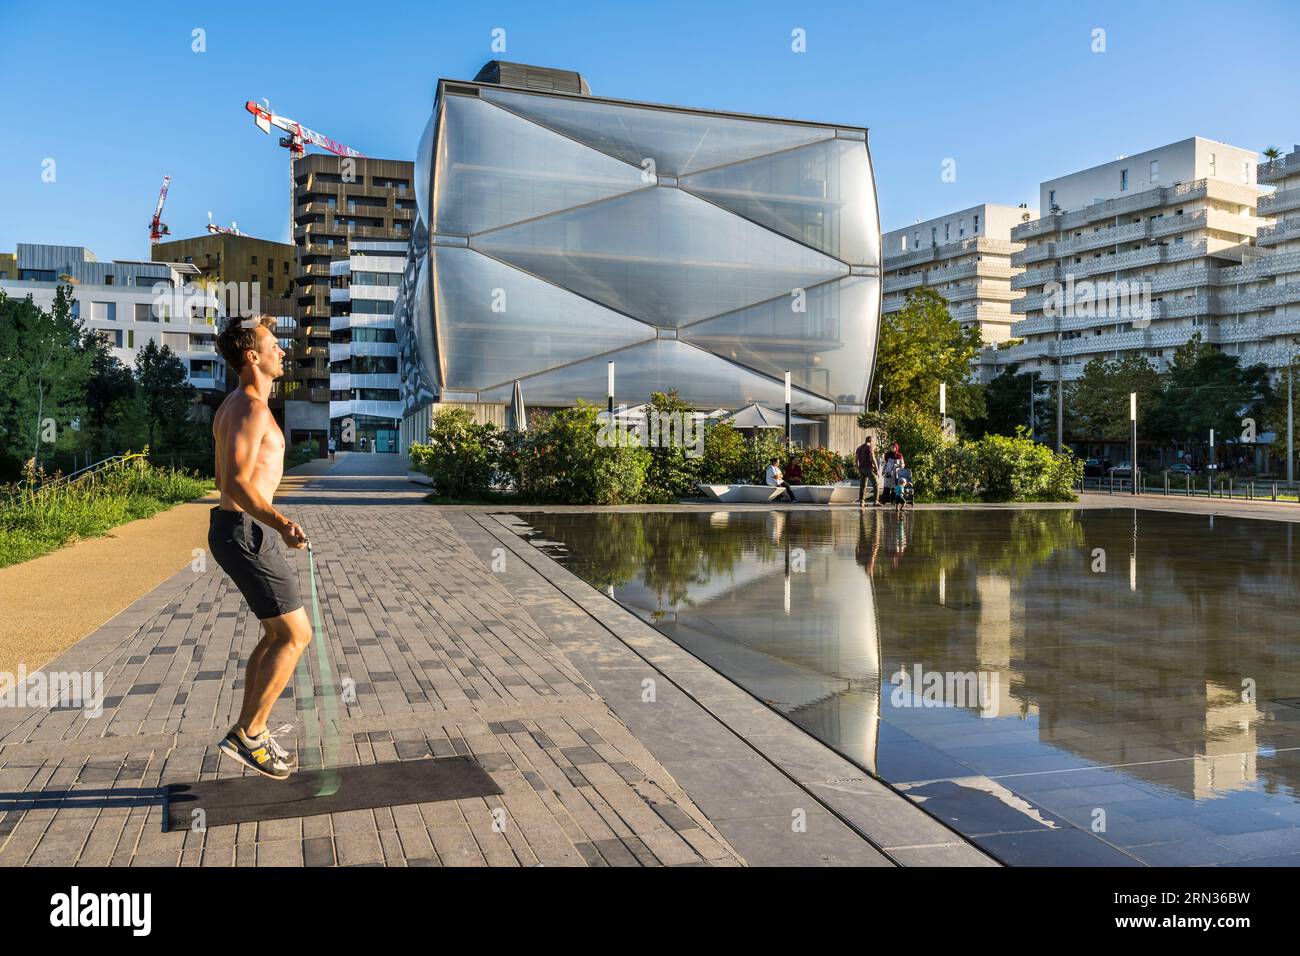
{"points": [[443, 661]]}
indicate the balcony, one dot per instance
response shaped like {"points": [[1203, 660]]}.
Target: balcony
{"points": [[341, 295], [1039, 253], [1185, 279], [1284, 166], [1035, 277], [1258, 299], [1265, 265], [900, 283], [1100, 238], [1281, 232], [1282, 201]]}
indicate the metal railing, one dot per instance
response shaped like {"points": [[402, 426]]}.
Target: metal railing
{"points": [[1228, 487]]}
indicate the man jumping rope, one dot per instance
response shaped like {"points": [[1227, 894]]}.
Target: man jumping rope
{"points": [[249, 463]]}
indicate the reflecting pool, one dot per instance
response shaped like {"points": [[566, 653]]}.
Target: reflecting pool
{"points": [[1077, 687]]}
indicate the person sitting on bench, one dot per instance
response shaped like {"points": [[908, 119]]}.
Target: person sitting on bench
{"points": [[775, 479]]}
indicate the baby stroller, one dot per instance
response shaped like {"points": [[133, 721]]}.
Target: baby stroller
{"points": [[904, 490]]}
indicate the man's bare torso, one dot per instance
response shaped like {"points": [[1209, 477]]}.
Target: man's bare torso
{"points": [[269, 458]]}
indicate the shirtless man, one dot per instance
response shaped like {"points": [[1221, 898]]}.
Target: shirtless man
{"points": [[250, 460]]}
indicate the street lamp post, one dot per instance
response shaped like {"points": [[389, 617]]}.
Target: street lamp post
{"points": [[1290, 422], [787, 408], [1133, 422], [943, 403], [609, 389], [1060, 407]]}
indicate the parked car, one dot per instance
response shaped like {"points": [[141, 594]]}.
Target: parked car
{"points": [[1122, 470], [1095, 467], [1181, 468]]}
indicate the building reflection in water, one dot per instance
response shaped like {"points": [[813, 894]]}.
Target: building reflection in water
{"points": [[1176, 675]]}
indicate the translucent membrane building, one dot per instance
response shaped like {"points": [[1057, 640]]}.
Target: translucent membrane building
{"points": [[705, 251]]}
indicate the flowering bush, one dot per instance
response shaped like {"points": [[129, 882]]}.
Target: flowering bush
{"points": [[819, 466]]}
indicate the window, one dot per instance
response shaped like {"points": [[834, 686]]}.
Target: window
{"points": [[108, 279], [1123, 180], [961, 227], [1213, 165], [977, 224], [144, 312], [934, 234], [1051, 198], [916, 239], [902, 242], [130, 338], [104, 311], [947, 232], [254, 263], [1155, 171], [1245, 171]]}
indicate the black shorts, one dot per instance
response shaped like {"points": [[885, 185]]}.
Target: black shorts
{"points": [[254, 561]]}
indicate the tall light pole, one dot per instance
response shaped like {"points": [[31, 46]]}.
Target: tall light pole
{"points": [[943, 403], [1290, 422], [1133, 422], [787, 408], [1060, 407], [609, 388]]}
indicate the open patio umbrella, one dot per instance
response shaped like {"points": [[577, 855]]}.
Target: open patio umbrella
{"points": [[755, 415], [518, 413]]}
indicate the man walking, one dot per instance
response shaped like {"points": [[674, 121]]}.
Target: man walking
{"points": [[332, 447], [868, 469], [249, 463]]}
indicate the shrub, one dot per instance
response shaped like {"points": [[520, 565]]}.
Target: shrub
{"points": [[1019, 469], [571, 458], [760, 448], [462, 456], [724, 454], [672, 473], [994, 468]]}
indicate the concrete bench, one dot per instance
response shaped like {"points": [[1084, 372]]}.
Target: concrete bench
{"points": [[741, 494], [827, 494]]}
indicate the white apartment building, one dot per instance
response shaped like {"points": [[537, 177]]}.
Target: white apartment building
{"points": [[1264, 291], [1136, 255], [130, 303], [363, 345], [966, 257]]}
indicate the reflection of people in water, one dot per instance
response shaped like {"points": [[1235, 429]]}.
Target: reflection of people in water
{"points": [[868, 546], [901, 522]]}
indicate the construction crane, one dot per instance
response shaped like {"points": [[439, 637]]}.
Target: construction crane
{"points": [[158, 228], [232, 230], [296, 142]]}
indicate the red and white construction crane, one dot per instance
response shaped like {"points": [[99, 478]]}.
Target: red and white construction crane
{"points": [[296, 142], [158, 228]]}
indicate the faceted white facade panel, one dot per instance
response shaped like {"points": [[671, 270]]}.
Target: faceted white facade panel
{"points": [[817, 338], [547, 246], [678, 142], [684, 260], [822, 195], [494, 168], [496, 324], [657, 366]]}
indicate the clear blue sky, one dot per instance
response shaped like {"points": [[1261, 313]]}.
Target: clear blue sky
{"points": [[1011, 91]]}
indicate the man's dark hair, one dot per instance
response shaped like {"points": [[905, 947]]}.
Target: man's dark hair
{"points": [[240, 336], [772, 461]]}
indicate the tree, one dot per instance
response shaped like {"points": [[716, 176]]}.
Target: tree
{"points": [[922, 346], [114, 420], [672, 471], [167, 397], [1272, 153], [1006, 402], [45, 362], [1097, 406], [1209, 389]]}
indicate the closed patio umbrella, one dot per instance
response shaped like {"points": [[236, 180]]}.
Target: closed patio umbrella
{"points": [[518, 413]]}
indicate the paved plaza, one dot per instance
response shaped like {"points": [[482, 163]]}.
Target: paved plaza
{"points": [[448, 635]]}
